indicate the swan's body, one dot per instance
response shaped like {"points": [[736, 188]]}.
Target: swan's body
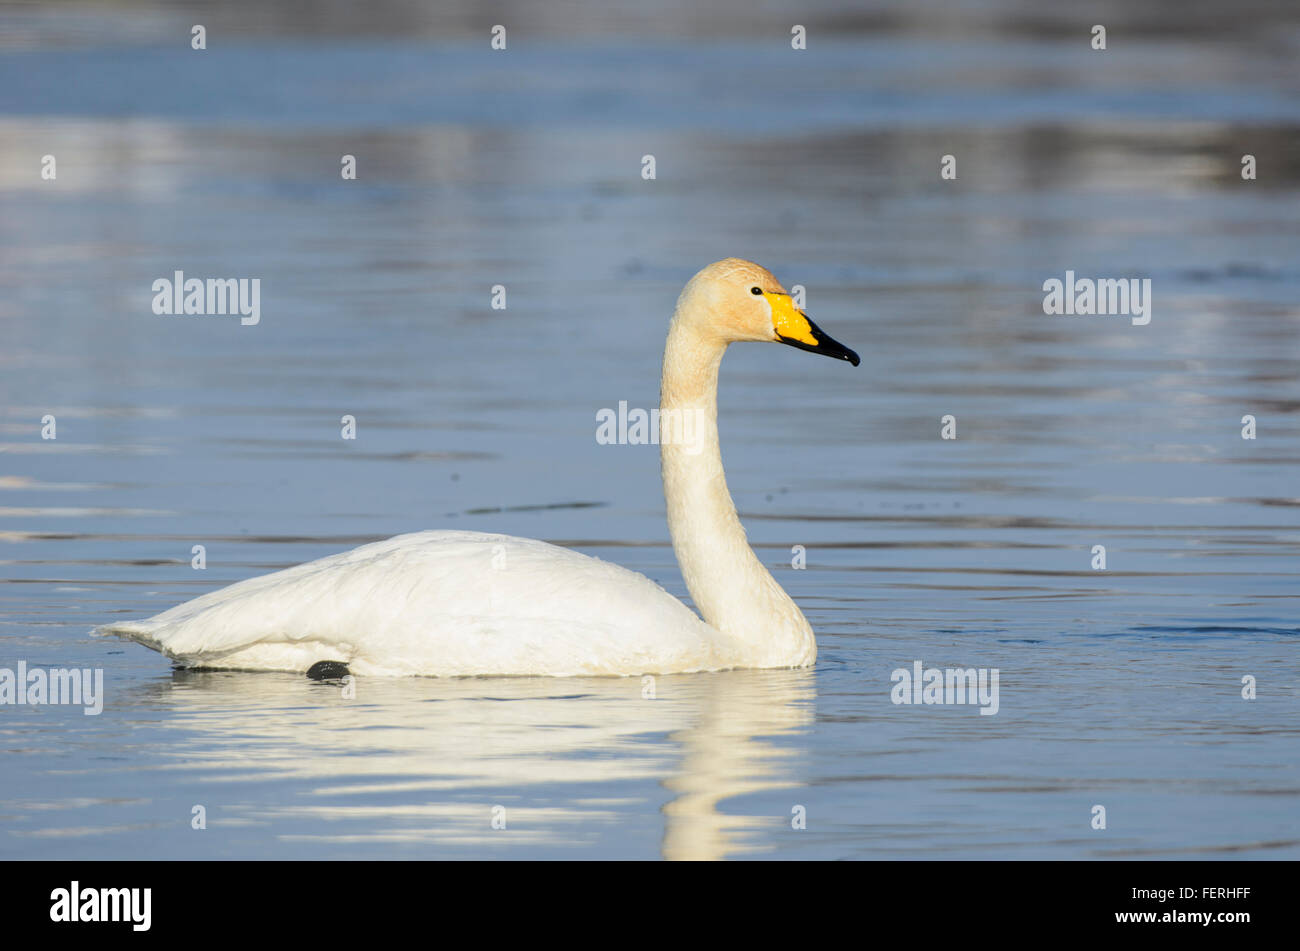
{"points": [[443, 603]]}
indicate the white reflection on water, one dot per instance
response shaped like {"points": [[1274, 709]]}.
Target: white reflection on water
{"points": [[421, 762]]}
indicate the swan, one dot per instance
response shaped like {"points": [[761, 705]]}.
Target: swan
{"points": [[457, 603]]}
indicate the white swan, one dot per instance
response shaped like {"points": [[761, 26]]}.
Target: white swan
{"points": [[442, 603]]}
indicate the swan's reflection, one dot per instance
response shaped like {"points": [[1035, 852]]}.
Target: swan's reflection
{"points": [[724, 756], [578, 764]]}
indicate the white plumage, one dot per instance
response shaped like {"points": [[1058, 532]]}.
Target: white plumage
{"points": [[442, 603], [446, 604]]}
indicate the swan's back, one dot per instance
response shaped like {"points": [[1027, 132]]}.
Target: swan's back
{"points": [[441, 603]]}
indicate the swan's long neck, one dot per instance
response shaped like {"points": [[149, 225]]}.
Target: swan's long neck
{"points": [[730, 586]]}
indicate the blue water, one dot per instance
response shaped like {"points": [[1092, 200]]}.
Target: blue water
{"points": [[1119, 687]]}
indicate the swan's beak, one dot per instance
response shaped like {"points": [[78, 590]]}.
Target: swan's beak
{"points": [[794, 328]]}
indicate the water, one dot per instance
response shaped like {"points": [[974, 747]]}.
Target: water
{"points": [[1119, 687]]}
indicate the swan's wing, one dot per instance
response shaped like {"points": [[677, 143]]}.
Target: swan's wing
{"points": [[441, 603]]}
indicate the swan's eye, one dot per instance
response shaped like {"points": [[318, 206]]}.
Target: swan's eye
{"points": [[756, 291]]}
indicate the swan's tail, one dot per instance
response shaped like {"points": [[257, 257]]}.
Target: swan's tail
{"points": [[142, 632], [294, 656]]}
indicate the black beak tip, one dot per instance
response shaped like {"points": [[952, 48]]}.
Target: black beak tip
{"points": [[825, 344]]}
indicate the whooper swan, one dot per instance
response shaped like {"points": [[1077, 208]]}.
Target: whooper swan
{"points": [[451, 603]]}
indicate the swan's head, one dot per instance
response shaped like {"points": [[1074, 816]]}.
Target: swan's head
{"points": [[734, 300]]}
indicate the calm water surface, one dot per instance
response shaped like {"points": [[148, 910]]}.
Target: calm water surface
{"points": [[1119, 687]]}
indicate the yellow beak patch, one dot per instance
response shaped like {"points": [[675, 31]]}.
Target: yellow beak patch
{"points": [[788, 322]]}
